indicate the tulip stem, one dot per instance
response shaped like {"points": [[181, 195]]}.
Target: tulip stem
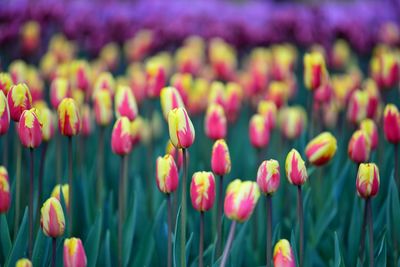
{"points": [[18, 189], [5, 150], [183, 207], [40, 185], [201, 242], [53, 258], [100, 167], [219, 217], [30, 245], [301, 223], [269, 229], [58, 158], [362, 241], [169, 230], [121, 205], [396, 165], [70, 185], [228, 244], [371, 232]]}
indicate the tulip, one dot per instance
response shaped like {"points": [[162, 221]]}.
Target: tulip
{"points": [[391, 124], [240, 201], [166, 174], [30, 34], [215, 124], [19, 99], [81, 75], [5, 197], [217, 93], [357, 109], [369, 127], [104, 81], [155, 78], [181, 130], [390, 69], [278, 93], [65, 192], [87, 124], [69, 121], [359, 146], [268, 176], [103, 107], [374, 99], [52, 218], [23, 263], [5, 82], [136, 130], [125, 103], [47, 119], [283, 254], [258, 131], [74, 253], [292, 121], [121, 142], [183, 84], [321, 149], [59, 90], [17, 70], [170, 99], [269, 111], [233, 101], [4, 114], [29, 129], [341, 53], [315, 72]]}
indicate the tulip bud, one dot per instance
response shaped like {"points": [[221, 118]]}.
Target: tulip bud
{"points": [[176, 153], [268, 110], [357, 109], [5, 197], [69, 121], [155, 78], [369, 127], [5, 82], [296, 171], [202, 191], [81, 75], [103, 107], [215, 122], [19, 99], [233, 101], [30, 34], [367, 182], [74, 253], [283, 254], [278, 93], [258, 131], [181, 130], [87, 122], [390, 69], [170, 99], [292, 121], [65, 191], [183, 84], [341, 53], [359, 146], [321, 149], [268, 176], [241, 199], [136, 130], [121, 141], [29, 129], [47, 119], [391, 123], [125, 103], [105, 81], [220, 158], [59, 90], [167, 177], [52, 218], [23, 263], [4, 114], [315, 72], [217, 93]]}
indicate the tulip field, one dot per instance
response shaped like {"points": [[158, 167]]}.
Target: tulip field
{"points": [[222, 143]]}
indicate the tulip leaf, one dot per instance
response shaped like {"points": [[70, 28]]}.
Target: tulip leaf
{"points": [[338, 255], [105, 256], [354, 232], [236, 253], [92, 242], [20, 245], [324, 220], [129, 230], [5, 240], [381, 255], [294, 247], [41, 249]]}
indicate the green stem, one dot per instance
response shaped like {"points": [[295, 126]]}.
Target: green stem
{"points": [[40, 184], [70, 185], [18, 189], [396, 165], [100, 167], [183, 207], [121, 207], [362, 241], [301, 223], [53, 257], [169, 230], [371, 232], [58, 158], [30, 206], [269, 229], [228, 244], [5, 150], [201, 241], [219, 216]]}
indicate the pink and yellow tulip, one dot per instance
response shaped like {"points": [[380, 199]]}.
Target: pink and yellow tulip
{"points": [[4, 114], [30, 129], [167, 177], [5, 197], [258, 131], [268, 176], [220, 158], [125, 103], [215, 123], [74, 253], [52, 218], [321, 149], [69, 119], [359, 146], [65, 191], [121, 140], [283, 254], [181, 130], [367, 182], [19, 99], [391, 124], [369, 127], [296, 171], [202, 191]]}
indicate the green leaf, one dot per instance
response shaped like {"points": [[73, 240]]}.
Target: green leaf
{"points": [[381, 257], [41, 249], [5, 240], [338, 255], [324, 220], [129, 230], [105, 257], [353, 234], [20, 245], [237, 250], [92, 242], [294, 247]]}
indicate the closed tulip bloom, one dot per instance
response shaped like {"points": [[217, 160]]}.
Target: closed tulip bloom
{"points": [[87, 122], [370, 128], [278, 92], [48, 120], [183, 82], [220, 158], [5, 197], [52, 218], [170, 99], [155, 78], [390, 69], [74, 253], [125, 103], [121, 141], [233, 100], [4, 114], [357, 109], [104, 81], [367, 182], [283, 254], [258, 131], [268, 176], [103, 107], [315, 72], [19, 99], [23, 263], [321, 149], [292, 121], [295, 167], [217, 93], [167, 177], [69, 120], [65, 191], [215, 123], [5, 82], [359, 146], [202, 191], [29, 129], [269, 111], [176, 153], [136, 130], [181, 130], [391, 123], [59, 90]]}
